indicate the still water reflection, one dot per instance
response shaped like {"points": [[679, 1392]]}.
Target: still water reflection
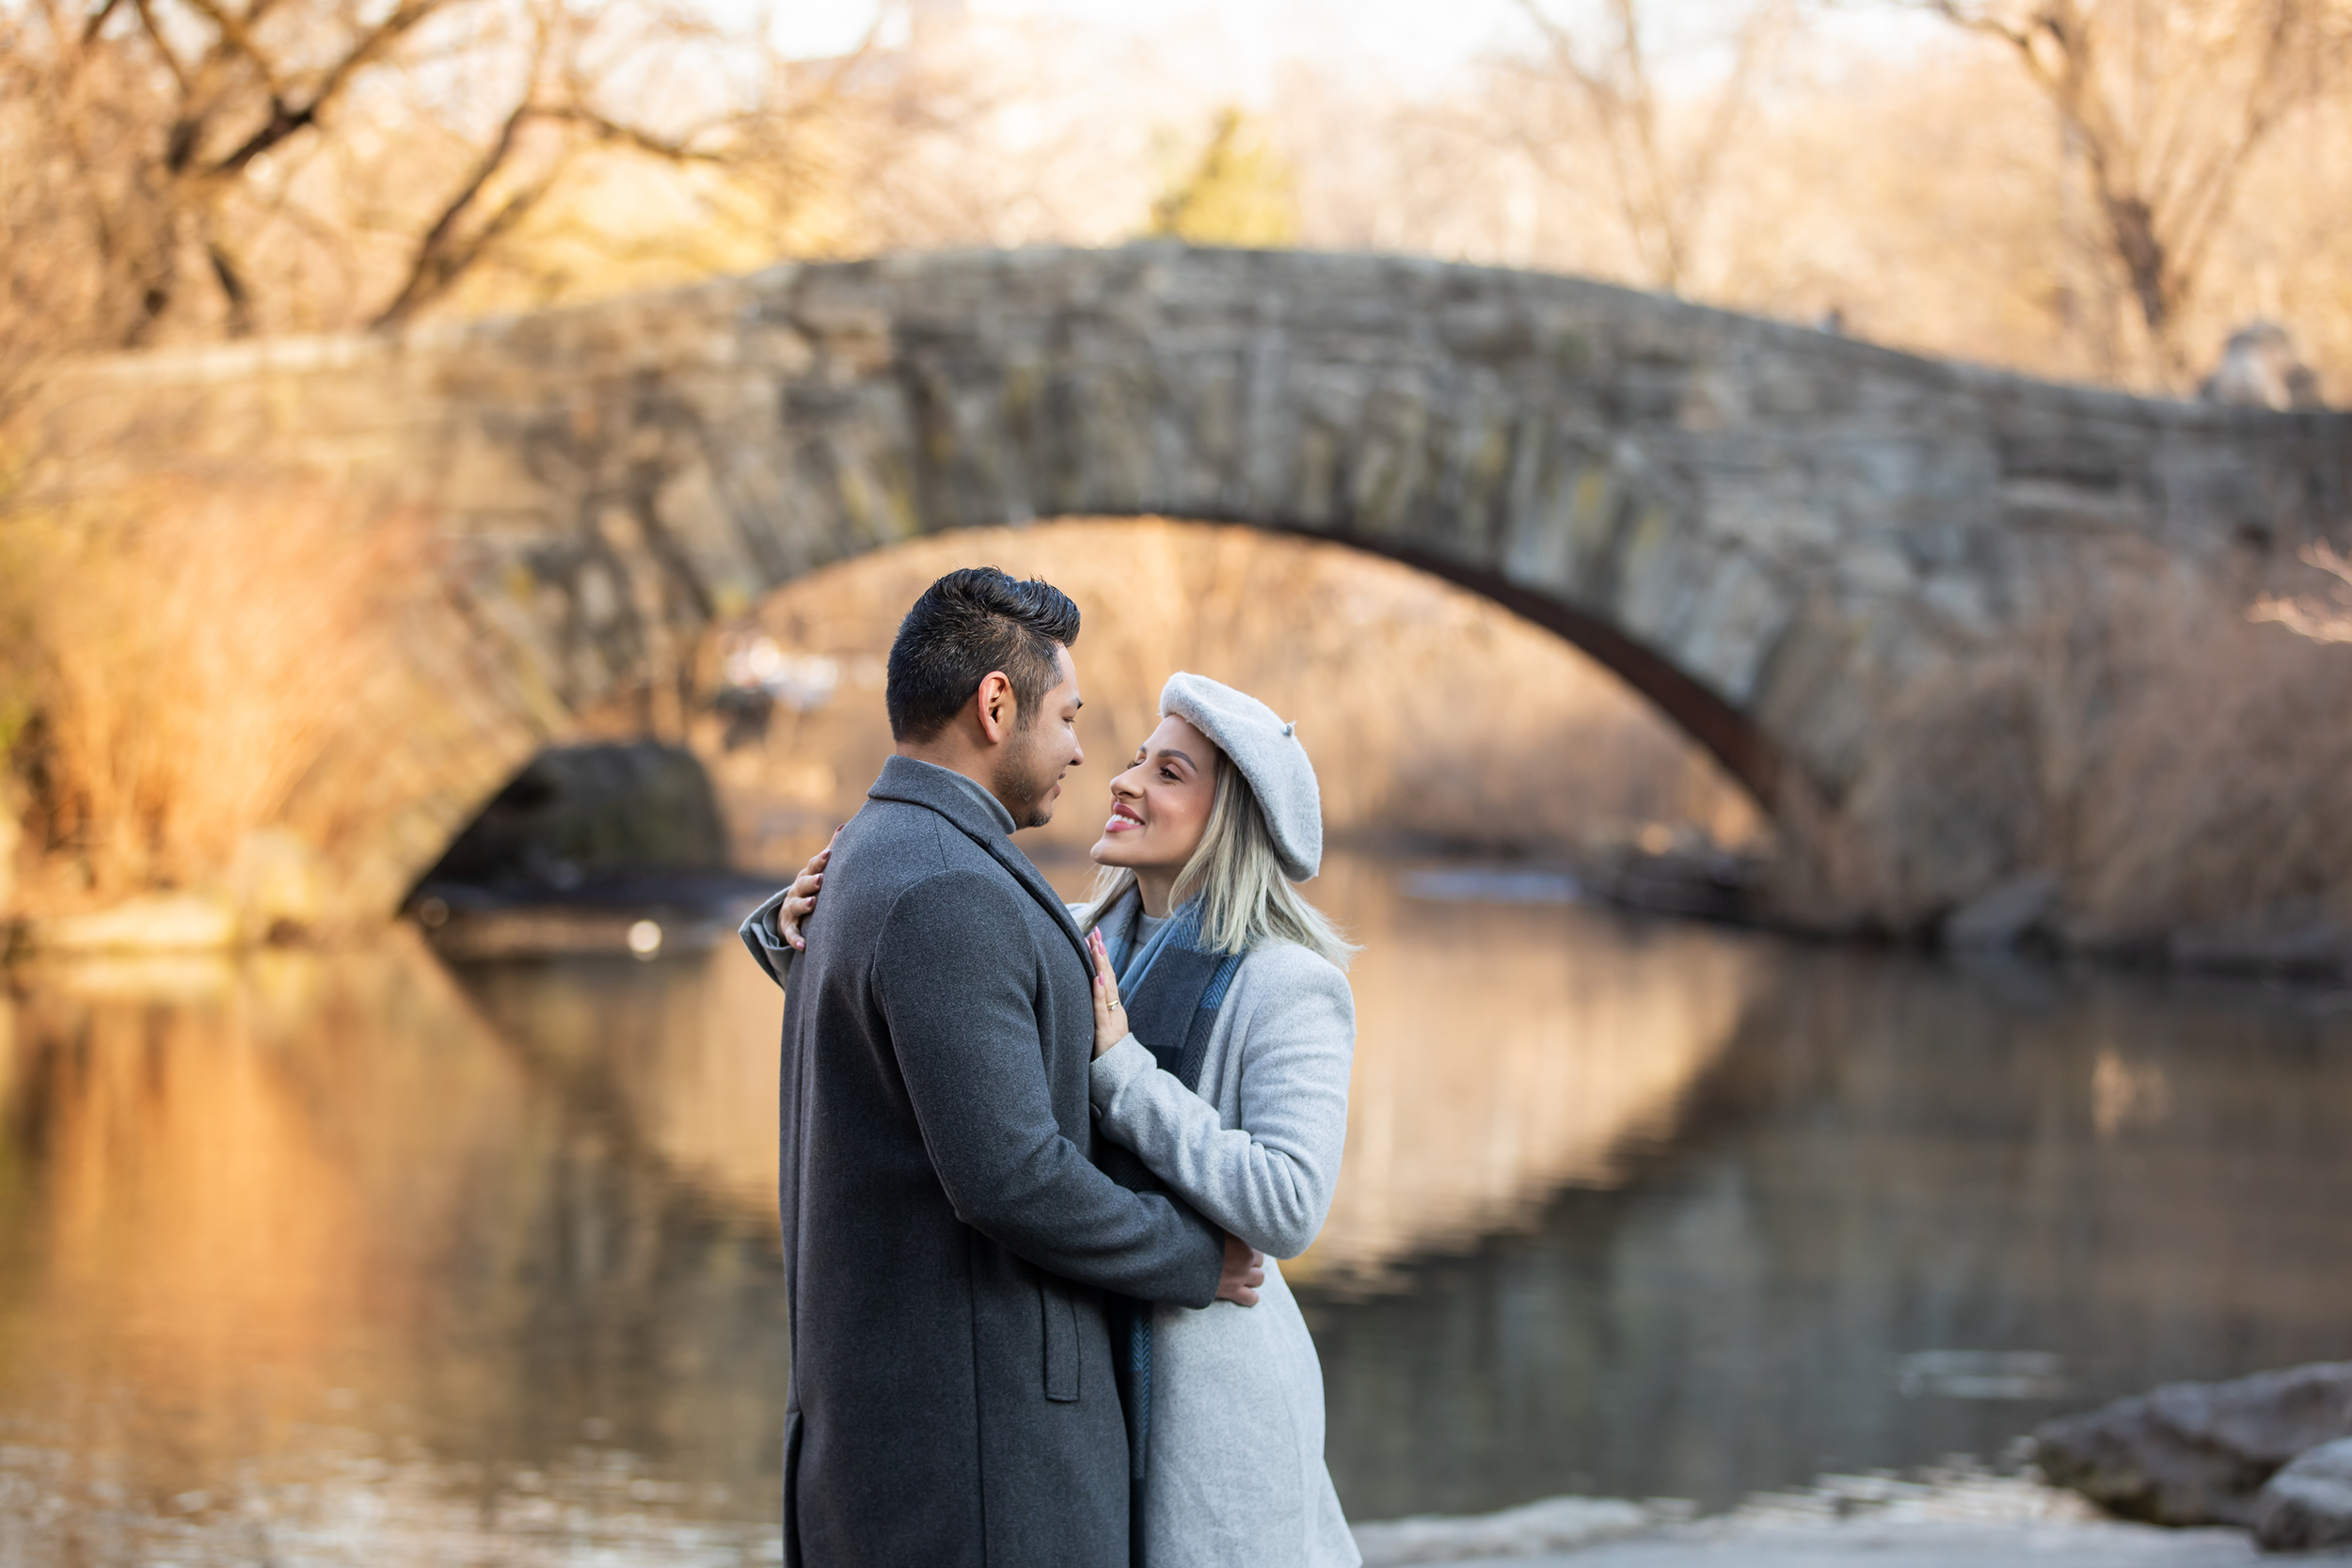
{"points": [[364, 1259]]}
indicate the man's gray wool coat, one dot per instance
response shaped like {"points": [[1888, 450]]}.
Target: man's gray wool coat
{"points": [[947, 1238]]}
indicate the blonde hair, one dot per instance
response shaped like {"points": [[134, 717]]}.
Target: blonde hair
{"points": [[1245, 898]]}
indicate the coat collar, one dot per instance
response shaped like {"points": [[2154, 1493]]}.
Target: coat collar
{"points": [[959, 800], [980, 818]]}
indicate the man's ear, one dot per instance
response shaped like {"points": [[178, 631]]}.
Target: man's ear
{"points": [[999, 709]]}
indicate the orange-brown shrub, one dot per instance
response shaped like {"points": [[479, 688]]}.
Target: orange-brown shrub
{"points": [[2169, 761], [197, 667]]}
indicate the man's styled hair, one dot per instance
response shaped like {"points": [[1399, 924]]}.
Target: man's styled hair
{"points": [[968, 623]]}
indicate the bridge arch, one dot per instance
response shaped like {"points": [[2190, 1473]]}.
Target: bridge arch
{"points": [[1737, 743], [1767, 530], [1431, 714]]}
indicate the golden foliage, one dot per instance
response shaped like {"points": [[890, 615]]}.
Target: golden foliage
{"points": [[196, 660], [1236, 192]]}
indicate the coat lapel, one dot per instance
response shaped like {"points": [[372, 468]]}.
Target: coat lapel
{"points": [[1039, 889], [922, 783]]}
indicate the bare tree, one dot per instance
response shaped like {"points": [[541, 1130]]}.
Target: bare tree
{"points": [[502, 186], [1662, 177], [2167, 101], [196, 154], [164, 108]]}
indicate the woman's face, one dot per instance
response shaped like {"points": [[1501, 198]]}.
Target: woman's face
{"points": [[1160, 805]]}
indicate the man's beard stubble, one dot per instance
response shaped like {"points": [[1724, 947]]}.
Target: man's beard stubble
{"points": [[1022, 783]]}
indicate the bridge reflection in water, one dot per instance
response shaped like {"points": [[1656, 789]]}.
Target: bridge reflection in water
{"points": [[349, 1258]]}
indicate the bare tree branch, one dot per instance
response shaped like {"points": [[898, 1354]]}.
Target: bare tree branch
{"points": [[2167, 136], [97, 20], [635, 137], [240, 42], [441, 254], [168, 144], [1661, 194], [161, 44], [286, 119], [232, 287]]}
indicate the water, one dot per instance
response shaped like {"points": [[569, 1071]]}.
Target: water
{"points": [[368, 1259]]}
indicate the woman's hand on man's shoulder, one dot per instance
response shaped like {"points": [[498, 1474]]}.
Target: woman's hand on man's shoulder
{"points": [[800, 898]]}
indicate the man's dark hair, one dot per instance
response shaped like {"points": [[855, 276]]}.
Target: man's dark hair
{"points": [[966, 623]]}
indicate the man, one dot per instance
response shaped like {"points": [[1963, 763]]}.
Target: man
{"points": [[947, 1239]]}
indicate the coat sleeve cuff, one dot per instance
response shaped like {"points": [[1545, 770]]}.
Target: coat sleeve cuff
{"points": [[1117, 1067], [769, 950]]}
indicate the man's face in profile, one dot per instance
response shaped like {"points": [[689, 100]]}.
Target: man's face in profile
{"points": [[1042, 747]]}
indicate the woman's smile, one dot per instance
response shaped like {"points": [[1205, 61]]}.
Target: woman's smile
{"points": [[1160, 808]]}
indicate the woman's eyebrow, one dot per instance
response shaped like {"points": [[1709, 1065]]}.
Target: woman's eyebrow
{"points": [[1172, 751]]}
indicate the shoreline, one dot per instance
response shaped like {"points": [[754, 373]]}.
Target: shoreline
{"points": [[1960, 1517], [2012, 929]]}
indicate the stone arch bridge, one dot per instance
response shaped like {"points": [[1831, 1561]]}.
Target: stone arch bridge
{"points": [[1772, 532]]}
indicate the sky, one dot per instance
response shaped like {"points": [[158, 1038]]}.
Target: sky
{"points": [[1413, 41], [1414, 44]]}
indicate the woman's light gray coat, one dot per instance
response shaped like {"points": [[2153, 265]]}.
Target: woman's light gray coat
{"points": [[1237, 1472]]}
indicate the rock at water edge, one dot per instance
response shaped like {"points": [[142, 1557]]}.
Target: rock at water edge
{"points": [[2195, 1453], [2309, 1504], [2003, 917]]}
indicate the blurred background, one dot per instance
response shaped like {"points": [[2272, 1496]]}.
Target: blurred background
{"points": [[434, 1223], [2081, 190]]}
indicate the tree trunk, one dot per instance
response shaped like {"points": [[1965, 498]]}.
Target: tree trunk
{"points": [[2141, 251]]}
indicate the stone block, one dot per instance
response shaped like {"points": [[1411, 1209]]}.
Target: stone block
{"points": [[1735, 621]]}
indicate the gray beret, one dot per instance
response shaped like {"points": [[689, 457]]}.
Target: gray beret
{"points": [[1269, 756]]}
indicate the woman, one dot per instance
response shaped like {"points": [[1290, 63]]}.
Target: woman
{"points": [[1224, 1033]]}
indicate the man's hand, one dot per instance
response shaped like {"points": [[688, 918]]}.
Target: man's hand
{"points": [[1244, 1271]]}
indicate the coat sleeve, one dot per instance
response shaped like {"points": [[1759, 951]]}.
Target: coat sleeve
{"points": [[1269, 1179], [759, 931], [964, 1027]]}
